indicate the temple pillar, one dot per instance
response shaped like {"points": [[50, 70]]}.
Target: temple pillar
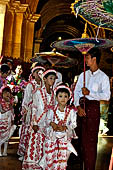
{"points": [[2, 17], [37, 45], [8, 33], [17, 29], [28, 29]]}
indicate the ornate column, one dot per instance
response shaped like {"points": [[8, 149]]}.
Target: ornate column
{"points": [[3, 4], [37, 45], [29, 36], [8, 33], [17, 28]]}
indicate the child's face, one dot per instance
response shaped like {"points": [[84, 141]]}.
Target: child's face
{"points": [[62, 98], [50, 80], [6, 96], [19, 70], [36, 75]]}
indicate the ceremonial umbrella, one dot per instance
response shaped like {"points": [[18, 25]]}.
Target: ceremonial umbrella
{"points": [[83, 45], [55, 58], [96, 12]]}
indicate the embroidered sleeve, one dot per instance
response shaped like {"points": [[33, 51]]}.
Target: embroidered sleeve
{"points": [[72, 121], [12, 115], [35, 106], [49, 117], [27, 96]]}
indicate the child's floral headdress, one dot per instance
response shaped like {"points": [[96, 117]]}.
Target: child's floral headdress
{"points": [[63, 87], [50, 71], [36, 68]]}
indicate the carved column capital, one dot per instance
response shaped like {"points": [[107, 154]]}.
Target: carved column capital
{"points": [[18, 7], [3, 6], [2, 17], [19, 11], [4, 2], [28, 31], [33, 17]]}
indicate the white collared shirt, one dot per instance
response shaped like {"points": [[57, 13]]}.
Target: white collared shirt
{"points": [[97, 83]]}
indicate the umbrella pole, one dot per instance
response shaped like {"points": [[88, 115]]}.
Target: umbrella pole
{"points": [[84, 77], [84, 69]]}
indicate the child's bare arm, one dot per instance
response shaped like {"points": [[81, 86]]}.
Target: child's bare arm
{"points": [[12, 122], [61, 128], [35, 128], [53, 125]]}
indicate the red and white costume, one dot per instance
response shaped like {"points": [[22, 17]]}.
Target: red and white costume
{"points": [[34, 152], [3, 82], [6, 117], [58, 145], [27, 110]]}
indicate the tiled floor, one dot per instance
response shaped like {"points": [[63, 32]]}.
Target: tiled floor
{"points": [[105, 145]]}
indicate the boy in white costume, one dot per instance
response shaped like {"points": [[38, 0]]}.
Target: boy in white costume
{"points": [[61, 121], [42, 100], [34, 83], [7, 126]]}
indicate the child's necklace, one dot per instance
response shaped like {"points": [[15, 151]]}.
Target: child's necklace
{"points": [[61, 122]]}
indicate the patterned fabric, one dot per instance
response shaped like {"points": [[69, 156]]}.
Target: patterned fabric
{"points": [[5, 126], [34, 150], [42, 101], [26, 110], [70, 44], [89, 127], [96, 12], [3, 82], [58, 147], [24, 137], [56, 152]]}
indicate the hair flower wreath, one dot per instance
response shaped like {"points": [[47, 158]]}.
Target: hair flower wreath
{"points": [[63, 87]]}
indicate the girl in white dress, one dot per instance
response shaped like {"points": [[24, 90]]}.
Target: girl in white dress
{"points": [[34, 83], [7, 126], [43, 98], [61, 121]]}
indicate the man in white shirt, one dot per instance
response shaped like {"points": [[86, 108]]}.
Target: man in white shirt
{"points": [[97, 87]]}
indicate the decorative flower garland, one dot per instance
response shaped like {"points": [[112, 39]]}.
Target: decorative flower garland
{"points": [[6, 106], [3, 81], [61, 122], [46, 106]]}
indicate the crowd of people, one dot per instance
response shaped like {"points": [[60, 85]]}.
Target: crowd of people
{"points": [[51, 114]]}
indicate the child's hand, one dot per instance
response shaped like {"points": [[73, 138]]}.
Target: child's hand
{"points": [[12, 122], [85, 91], [61, 128], [35, 128], [81, 112], [54, 126]]}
